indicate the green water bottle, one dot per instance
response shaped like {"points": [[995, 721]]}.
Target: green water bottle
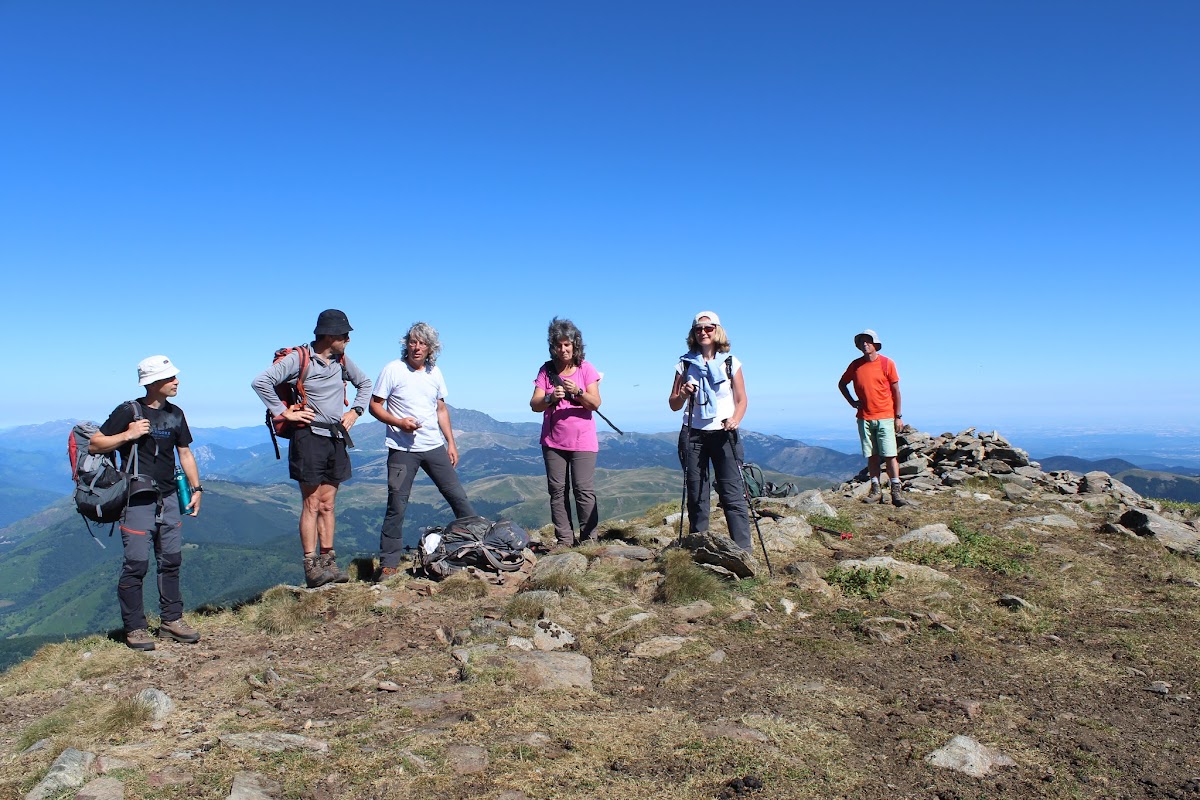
{"points": [[182, 489]]}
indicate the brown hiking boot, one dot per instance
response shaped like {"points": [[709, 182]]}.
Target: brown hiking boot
{"points": [[139, 640], [329, 561], [315, 573], [383, 573], [179, 630], [875, 495], [898, 496]]}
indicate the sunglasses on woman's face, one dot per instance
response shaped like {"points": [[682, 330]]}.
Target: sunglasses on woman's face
{"points": [[704, 328]]}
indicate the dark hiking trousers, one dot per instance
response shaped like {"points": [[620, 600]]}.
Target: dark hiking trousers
{"points": [[151, 520], [402, 468], [582, 467], [700, 449]]}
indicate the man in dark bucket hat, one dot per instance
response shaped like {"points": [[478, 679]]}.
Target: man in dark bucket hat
{"points": [[317, 457], [877, 385]]}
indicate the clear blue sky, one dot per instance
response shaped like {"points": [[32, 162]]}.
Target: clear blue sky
{"points": [[1008, 192]]}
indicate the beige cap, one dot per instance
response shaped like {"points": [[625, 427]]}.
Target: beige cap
{"points": [[869, 334], [712, 317]]}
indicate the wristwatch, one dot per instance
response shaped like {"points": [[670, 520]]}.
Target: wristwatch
{"points": [[358, 410], [197, 489]]}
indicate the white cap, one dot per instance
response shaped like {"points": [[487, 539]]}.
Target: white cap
{"points": [[712, 317], [155, 368]]}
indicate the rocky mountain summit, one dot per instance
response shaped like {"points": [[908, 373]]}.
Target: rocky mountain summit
{"points": [[982, 642]]}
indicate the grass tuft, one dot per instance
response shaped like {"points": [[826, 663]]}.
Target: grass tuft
{"points": [[840, 523], [462, 586], [974, 549], [685, 581]]}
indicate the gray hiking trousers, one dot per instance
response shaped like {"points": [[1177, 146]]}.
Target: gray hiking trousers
{"points": [[402, 467], [582, 467]]}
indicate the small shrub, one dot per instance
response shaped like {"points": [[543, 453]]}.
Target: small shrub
{"points": [[685, 581], [868, 583]]}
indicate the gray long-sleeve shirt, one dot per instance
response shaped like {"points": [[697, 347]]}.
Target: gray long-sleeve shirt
{"points": [[323, 385]]}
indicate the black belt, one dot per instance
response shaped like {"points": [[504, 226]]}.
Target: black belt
{"points": [[335, 428]]}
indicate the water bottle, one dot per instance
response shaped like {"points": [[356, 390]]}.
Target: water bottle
{"points": [[183, 489]]}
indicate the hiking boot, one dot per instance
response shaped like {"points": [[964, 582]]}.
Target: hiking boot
{"points": [[179, 630], [139, 640], [315, 573], [875, 495], [383, 573], [329, 561], [898, 497]]}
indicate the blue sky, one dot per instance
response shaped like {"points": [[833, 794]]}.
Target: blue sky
{"points": [[1006, 192]]}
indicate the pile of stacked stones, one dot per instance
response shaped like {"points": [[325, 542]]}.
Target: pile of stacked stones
{"points": [[943, 463], [937, 463]]}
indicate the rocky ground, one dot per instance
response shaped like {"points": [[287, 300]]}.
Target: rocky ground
{"points": [[984, 642]]}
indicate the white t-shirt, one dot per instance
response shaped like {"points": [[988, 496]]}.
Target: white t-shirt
{"points": [[407, 392], [723, 398]]}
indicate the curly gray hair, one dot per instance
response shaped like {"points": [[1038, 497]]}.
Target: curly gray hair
{"points": [[427, 334], [565, 329]]}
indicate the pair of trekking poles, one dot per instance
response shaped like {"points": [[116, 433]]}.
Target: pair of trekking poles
{"points": [[733, 444]]}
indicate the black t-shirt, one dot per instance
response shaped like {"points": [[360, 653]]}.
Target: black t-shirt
{"points": [[156, 452]]}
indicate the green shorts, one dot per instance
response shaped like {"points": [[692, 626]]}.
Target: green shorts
{"points": [[878, 437]]}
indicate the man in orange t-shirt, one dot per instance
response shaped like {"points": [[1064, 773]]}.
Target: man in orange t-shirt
{"points": [[877, 385]]}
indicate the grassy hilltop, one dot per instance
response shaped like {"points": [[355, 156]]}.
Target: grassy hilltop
{"points": [[1068, 649]]}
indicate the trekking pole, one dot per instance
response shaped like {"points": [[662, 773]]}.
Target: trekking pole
{"points": [[687, 437], [606, 419], [750, 503], [555, 380]]}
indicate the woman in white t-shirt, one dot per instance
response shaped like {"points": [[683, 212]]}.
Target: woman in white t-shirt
{"points": [[709, 383]]}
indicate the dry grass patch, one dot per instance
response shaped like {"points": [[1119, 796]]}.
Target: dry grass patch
{"points": [[684, 581], [56, 665], [462, 586]]}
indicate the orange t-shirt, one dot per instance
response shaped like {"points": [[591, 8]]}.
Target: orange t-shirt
{"points": [[873, 386]]}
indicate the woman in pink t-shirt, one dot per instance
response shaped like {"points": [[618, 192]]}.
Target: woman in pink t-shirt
{"points": [[565, 392]]}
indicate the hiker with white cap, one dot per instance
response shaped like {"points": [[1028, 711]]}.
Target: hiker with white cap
{"points": [[158, 429], [877, 386], [708, 380]]}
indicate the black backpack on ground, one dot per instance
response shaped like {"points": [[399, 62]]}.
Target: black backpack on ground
{"points": [[471, 542]]}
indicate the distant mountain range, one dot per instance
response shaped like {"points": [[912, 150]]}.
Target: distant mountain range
{"points": [[1174, 483], [55, 581]]}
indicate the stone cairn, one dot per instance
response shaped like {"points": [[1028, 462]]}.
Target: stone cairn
{"points": [[945, 462], [931, 463]]}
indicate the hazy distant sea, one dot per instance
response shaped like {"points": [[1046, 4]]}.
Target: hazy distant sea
{"points": [[1146, 449]]}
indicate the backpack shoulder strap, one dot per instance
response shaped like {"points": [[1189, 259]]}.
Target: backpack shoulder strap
{"points": [[729, 367], [305, 359]]}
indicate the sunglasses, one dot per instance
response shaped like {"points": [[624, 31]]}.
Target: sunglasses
{"points": [[705, 328]]}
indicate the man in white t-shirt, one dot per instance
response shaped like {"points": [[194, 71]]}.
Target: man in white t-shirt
{"points": [[410, 399]]}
